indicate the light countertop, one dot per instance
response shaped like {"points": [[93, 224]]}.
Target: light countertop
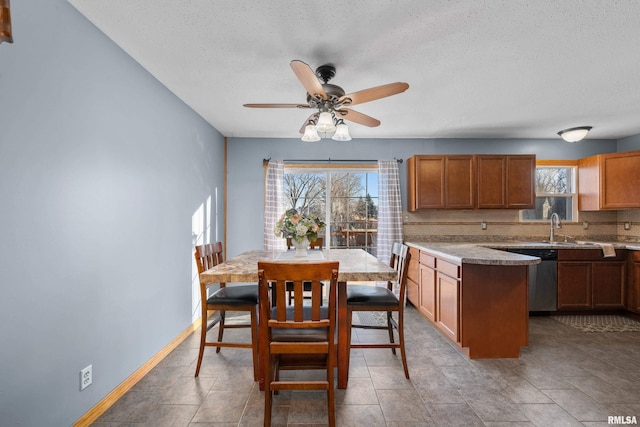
{"points": [[494, 253]]}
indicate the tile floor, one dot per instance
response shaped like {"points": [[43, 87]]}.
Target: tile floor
{"points": [[564, 378]]}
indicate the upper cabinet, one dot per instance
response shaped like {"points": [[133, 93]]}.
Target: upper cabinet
{"points": [[521, 181], [436, 182], [609, 181], [471, 181]]}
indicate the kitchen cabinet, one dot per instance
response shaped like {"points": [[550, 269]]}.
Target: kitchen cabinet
{"points": [[481, 308], [459, 182], [521, 181], [588, 281], [471, 181], [413, 277], [428, 286], [437, 182], [448, 299], [506, 181], [633, 285], [609, 181]]}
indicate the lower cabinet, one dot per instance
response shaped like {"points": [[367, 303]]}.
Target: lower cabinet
{"points": [[633, 286], [481, 308], [587, 281], [413, 277], [448, 305], [574, 285], [427, 286]]}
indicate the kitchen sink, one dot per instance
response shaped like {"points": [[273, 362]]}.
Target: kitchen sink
{"points": [[582, 243]]}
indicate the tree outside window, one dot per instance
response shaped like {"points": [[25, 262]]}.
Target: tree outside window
{"points": [[352, 199], [555, 193]]}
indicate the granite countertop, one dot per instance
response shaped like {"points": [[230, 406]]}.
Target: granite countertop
{"points": [[494, 253], [355, 265], [472, 253]]}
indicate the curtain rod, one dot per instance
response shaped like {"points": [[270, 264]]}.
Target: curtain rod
{"points": [[329, 160]]}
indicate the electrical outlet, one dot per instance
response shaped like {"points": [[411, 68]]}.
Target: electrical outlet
{"points": [[483, 225], [86, 377], [627, 226]]}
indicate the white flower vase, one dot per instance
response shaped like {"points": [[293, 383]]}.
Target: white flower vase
{"points": [[301, 247]]}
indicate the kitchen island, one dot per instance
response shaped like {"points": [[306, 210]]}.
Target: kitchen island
{"points": [[475, 295]]}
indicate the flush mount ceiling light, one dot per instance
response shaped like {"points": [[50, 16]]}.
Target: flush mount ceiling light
{"points": [[574, 134], [331, 102], [5, 22]]}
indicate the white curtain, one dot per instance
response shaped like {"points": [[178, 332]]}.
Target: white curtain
{"points": [[389, 208], [274, 204]]}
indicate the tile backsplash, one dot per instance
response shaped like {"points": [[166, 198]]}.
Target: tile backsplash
{"points": [[466, 225]]}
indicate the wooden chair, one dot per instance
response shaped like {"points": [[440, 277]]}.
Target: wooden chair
{"points": [[297, 337], [317, 245], [374, 298], [313, 245], [231, 298]]}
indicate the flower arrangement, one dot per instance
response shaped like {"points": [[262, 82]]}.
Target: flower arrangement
{"points": [[298, 227]]}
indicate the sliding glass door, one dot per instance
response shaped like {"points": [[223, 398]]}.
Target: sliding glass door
{"points": [[345, 199]]}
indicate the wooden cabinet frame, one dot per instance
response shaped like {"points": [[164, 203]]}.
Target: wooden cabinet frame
{"points": [[609, 181], [478, 181], [587, 281]]}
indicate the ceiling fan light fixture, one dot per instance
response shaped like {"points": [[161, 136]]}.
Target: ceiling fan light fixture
{"points": [[325, 123], [310, 134], [342, 132], [574, 134]]}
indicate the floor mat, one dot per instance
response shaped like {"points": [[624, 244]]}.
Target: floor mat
{"points": [[600, 323]]}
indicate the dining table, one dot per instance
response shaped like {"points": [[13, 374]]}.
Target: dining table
{"points": [[356, 265]]}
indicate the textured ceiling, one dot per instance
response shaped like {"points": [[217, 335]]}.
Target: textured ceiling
{"points": [[475, 68]]}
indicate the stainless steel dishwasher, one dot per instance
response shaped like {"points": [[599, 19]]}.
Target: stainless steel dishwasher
{"points": [[543, 279]]}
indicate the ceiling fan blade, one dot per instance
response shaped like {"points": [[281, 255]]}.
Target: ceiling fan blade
{"points": [[277, 105], [308, 78], [374, 93], [359, 118]]}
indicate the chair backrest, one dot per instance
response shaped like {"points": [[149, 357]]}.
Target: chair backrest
{"points": [[313, 245], [400, 256], [208, 256], [317, 244], [275, 276]]}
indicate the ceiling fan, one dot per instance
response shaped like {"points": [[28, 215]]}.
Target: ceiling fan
{"points": [[331, 99]]}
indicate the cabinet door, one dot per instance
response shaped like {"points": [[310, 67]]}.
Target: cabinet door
{"points": [[428, 292], [425, 182], [633, 302], [620, 179], [459, 182], [607, 284], [492, 181], [589, 183], [574, 285], [413, 277], [447, 306], [521, 174]]}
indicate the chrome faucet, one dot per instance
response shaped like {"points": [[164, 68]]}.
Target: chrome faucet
{"points": [[558, 225]]}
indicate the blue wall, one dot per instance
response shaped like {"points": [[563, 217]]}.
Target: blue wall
{"points": [[102, 174], [630, 143]]}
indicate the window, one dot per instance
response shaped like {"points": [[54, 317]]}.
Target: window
{"points": [[346, 199], [556, 192]]}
